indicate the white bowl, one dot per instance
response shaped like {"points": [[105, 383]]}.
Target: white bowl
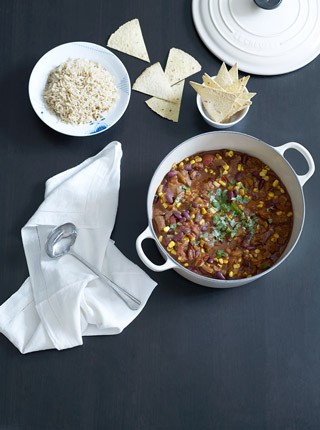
{"points": [[237, 117], [92, 52]]}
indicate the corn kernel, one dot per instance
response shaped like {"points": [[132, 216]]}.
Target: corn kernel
{"points": [[257, 251], [212, 210], [263, 172], [186, 239], [181, 165], [171, 244], [178, 204], [166, 229], [241, 192], [225, 261], [218, 156], [192, 162], [225, 172], [179, 258], [270, 194], [260, 204], [256, 190], [165, 205], [160, 194], [275, 183], [186, 264], [173, 252], [219, 265], [279, 213], [186, 159], [226, 166], [266, 178], [201, 222], [239, 167], [211, 171], [276, 235], [174, 166], [239, 260], [221, 182], [192, 216], [236, 266], [203, 211], [220, 260], [281, 190], [206, 170], [240, 207], [289, 214], [229, 153], [203, 251], [231, 274], [216, 184], [198, 159]]}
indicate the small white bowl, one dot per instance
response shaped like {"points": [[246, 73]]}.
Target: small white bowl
{"points": [[90, 51], [237, 117]]}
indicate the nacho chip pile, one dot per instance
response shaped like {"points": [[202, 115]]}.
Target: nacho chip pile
{"points": [[224, 95], [165, 87]]}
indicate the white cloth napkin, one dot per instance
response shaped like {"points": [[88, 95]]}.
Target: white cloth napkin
{"points": [[62, 300]]}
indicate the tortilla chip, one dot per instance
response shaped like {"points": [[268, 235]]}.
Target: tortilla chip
{"points": [[217, 103], [238, 86], [128, 39], [167, 109], [246, 96], [223, 78], [236, 107], [210, 82], [180, 65], [153, 82], [233, 73]]}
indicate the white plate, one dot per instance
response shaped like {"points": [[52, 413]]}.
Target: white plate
{"points": [[92, 52], [263, 42]]}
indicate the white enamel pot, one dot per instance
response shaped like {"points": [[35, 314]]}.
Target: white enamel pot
{"points": [[272, 156]]}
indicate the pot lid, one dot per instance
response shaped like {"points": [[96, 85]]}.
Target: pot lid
{"points": [[265, 37]]}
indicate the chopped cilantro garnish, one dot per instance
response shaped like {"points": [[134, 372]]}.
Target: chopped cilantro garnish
{"points": [[220, 253]]}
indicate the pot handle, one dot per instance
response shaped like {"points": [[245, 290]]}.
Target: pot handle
{"points": [[305, 153], [147, 234]]}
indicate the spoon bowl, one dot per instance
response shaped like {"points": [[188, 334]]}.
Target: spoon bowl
{"points": [[59, 243]]}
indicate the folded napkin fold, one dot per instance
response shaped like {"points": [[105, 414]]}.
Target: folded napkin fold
{"points": [[62, 300]]}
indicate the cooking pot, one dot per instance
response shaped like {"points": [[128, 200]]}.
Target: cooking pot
{"points": [[272, 156]]}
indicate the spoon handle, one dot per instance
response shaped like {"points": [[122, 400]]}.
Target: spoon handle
{"points": [[131, 301]]}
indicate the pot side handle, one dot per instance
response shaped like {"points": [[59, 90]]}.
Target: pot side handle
{"points": [[305, 153], [147, 234]]}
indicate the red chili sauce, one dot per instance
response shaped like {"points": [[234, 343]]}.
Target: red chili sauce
{"points": [[223, 214]]}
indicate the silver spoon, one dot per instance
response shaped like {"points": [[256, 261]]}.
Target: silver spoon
{"points": [[59, 243]]}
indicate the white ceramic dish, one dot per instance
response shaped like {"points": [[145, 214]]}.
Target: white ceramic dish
{"points": [[263, 42], [273, 156], [92, 52], [237, 117]]}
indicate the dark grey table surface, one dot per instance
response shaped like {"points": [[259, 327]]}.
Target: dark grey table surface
{"points": [[195, 358]]}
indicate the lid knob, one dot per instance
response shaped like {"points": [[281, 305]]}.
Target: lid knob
{"points": [[268, 4]]}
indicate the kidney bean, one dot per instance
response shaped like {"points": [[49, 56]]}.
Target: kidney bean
{"points": [[178, 236], [198, 217], [185, 229], [177, 214], [244, 158], [218, 275], [164, 181], [204, 228], [165, 241], [230, 195], [169, 196], [261, 184], [172, 173], [238, 176], [188, 167], [186, 214], [210, 260], [194, 205]]}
